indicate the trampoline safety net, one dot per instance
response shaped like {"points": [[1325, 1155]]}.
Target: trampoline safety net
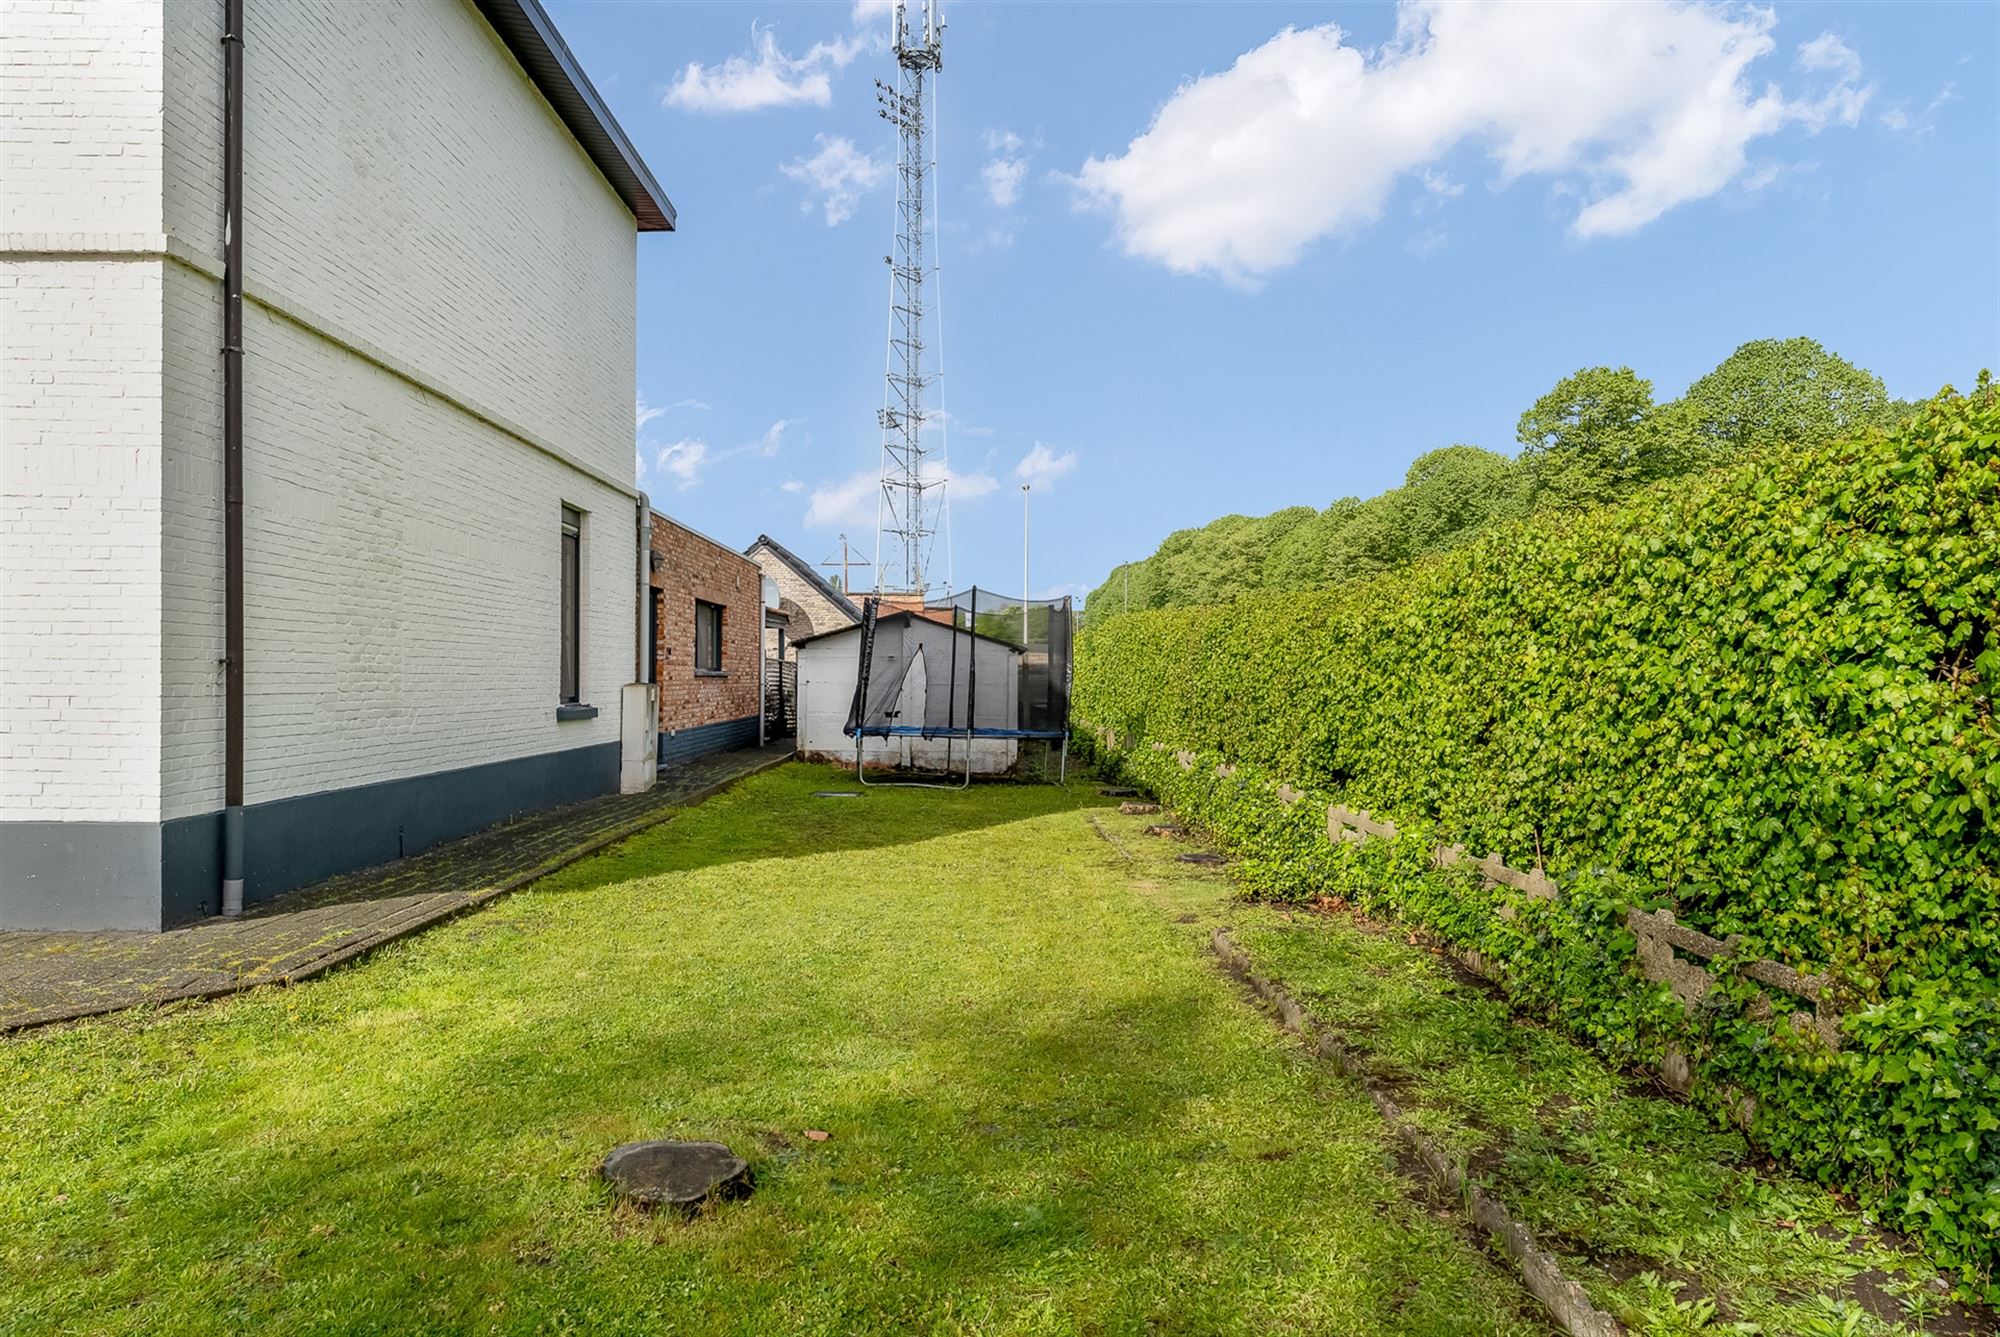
{"points": [[973, 664]]}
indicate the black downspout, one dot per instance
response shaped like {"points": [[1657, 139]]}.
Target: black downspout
{"points": [[232, 456]]}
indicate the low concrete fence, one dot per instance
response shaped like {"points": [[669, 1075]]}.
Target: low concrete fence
{"points": [[1689, 962]]}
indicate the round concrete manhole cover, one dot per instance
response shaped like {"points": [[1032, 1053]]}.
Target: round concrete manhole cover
{"points": [[676, 1174]]}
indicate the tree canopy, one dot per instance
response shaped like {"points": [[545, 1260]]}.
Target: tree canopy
{"points": [[1595, 436], [1788, 392]]}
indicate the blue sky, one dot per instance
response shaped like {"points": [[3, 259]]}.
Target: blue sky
{"points": [[1203, 258]]}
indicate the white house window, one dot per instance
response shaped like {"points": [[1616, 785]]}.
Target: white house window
{"points": [[707, 637], [572, 605]]}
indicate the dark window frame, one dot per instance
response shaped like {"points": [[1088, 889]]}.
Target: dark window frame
{"points": [[708, 649], [569, 678]]}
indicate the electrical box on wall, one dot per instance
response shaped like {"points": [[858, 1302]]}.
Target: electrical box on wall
{"points": [[638, 736]]}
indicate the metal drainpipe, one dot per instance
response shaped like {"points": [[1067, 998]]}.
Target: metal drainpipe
{"points": [[232, 457], [642, 659]]}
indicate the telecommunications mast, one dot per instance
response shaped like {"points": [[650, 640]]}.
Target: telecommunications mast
{"points": [[913, 502]]}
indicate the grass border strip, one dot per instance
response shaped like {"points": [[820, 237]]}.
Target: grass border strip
{"points": [[401, 929], [1567, 1302]]}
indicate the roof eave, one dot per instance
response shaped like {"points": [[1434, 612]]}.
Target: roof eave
{"points": [[548, 62], [906, 613], [820, 583]]}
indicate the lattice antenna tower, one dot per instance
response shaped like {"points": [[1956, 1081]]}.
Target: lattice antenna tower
{"points": [[913, 502]]}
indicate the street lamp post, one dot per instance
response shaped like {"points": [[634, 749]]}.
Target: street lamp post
{"points": [[1024, 563]]}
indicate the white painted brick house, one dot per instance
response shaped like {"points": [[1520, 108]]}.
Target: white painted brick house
{"points": [[438, 324]]}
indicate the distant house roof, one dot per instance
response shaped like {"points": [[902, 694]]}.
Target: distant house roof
{"points": [[886, 618], [531, 35], [807, 574]]}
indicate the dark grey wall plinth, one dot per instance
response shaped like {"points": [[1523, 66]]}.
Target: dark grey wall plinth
{"points": [[145, 875], [80, 875], [683, 745]]}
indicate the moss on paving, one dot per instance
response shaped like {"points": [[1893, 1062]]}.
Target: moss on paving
{"points": [[1671, 1224], [1046, 1113]]}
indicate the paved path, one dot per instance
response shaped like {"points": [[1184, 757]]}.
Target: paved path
{"points": [[46, 977]]}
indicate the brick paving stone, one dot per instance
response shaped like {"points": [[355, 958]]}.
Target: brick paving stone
{"points": [[49, 977]]}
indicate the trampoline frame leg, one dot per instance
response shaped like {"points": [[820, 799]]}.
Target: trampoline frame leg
{"points": [[965, 781]]}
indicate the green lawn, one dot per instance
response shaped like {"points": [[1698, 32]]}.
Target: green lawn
{"points": [[1047, 1113]]}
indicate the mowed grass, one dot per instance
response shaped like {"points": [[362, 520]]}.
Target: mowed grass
{"points": [[1046, 1112], [1671, 1223]]}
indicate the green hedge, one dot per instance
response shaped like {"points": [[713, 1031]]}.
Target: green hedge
{"points": [[1762, 698]]}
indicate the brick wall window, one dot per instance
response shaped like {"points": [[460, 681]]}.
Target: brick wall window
{"points": [[707, 637], [572, 605]]}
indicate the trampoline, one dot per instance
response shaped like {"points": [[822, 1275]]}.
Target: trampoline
{"points": [[968, 681]]}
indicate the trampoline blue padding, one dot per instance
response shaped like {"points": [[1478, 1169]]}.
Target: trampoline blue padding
{"points": [[919, 731]]}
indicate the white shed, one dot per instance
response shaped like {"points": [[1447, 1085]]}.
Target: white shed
{"points": [[931, 669]]}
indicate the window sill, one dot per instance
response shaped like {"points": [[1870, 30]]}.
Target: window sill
{"points": [[711, 673], [573, 710]]}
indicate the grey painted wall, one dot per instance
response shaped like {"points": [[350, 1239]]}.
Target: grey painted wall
{"points": [[79, 875], [142, 875], [684, 745]]}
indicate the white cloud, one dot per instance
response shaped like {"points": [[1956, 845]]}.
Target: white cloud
{"points": [[1639, 107], [850, 502], [767, 445], [1828, 52], [839, 174], [1041, 466], [766, 76], [682, 460], [970, 487], [1899, 116], [938, 419], [1442, 186], [1006, 169], [644, 413], [846, 503], [1003, 178], [791, 485]]}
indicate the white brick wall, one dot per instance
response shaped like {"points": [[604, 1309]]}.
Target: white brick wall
{"points": [[409, 196], [80, 391], [405, 183], [80, 143], [80, 388], [402, 589], [191, 644]]}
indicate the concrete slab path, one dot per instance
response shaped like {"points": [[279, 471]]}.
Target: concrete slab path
{"points": [[51, 977]]}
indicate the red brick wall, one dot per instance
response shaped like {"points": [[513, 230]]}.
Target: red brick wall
{"points": [[687, 567]]}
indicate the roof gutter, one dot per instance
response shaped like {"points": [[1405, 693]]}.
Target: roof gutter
{"points": [[546, 59], [232, 457]]}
